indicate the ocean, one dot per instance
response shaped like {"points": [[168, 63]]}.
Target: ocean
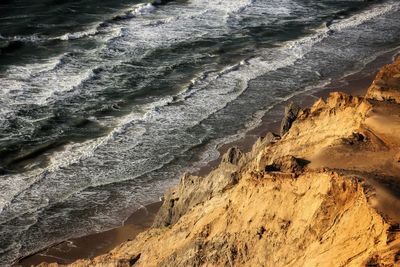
{"points": [[104, 105]]}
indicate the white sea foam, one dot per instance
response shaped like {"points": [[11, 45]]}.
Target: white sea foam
{"points": [[77, 35], [24, 84], [142, 9], [26, 38], [139, 9], [366, 16]]}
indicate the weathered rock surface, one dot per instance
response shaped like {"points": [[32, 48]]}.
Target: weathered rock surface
{"points": [[233, 156], [386, 86], [325, 194], [287, 164], [291, 113]]}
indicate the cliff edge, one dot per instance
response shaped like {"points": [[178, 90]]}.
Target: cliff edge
{"points": [[324, 193]]}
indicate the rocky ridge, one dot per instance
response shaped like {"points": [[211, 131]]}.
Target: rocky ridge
{"points": [[324, 193]]}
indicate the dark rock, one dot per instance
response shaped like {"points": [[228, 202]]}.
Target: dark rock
{"points": [[270, 137], [397, 257], [355, 138], [392, 232], [291, 113], [359, 137], [272, 168], [232, 156], [287, 164], [373, 261], [234, 178], [264, 141], [193, 190], [260, 232], [134, 259]]}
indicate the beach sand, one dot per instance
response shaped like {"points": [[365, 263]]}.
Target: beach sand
{"points": [[95, 244]]}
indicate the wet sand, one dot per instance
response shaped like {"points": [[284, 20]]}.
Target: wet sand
{"points": [[96, 244], [100, 243]]}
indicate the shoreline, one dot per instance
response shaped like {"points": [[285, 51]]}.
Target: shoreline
{"points": [[356, 84], [71, 250], [96, 244]]}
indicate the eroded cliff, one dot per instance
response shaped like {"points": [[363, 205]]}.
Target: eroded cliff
{"points": [[325, 193]]}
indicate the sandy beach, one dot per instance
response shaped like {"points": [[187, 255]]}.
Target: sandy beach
{"points": [[95, 244]]}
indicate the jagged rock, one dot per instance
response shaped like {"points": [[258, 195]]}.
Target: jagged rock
{"points": [[342, 100], [355, 138], [269, 138], [386, 85], [287, 164], [291, 113], [319, 105], [134, 259], [314, 220], [337, 101], [262, 142], [359, 137], [193, 190], [232, 156]]}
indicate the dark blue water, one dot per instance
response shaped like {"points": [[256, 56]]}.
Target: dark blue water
{"points": [[103, 105]]}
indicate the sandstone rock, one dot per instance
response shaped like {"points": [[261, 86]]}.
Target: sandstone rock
{"points": [[264, 141], [287, 164], [134, 259], [315, 220], [386, 85], [319, 105], [232, 156], [342, 100], [270, 137], [356, 137], [291, 113], [193, 190]]}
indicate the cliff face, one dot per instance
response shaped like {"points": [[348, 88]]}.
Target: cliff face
{"points": [[323, 194], [386, 85]]}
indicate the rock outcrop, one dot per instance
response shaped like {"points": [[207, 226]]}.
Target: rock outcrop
{"points": [[291, 113], [233, 156], [325, 193], [386, 86]]}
